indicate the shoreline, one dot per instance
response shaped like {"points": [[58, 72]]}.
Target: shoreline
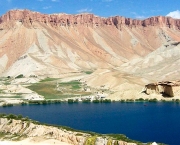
{"points": [[21, 130], [71, 101]]}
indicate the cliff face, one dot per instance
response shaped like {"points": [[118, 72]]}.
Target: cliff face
{"points": [[61, 43], [168, 88], [26, 16]]}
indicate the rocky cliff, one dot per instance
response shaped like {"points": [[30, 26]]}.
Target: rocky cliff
{"points": [[166, 88], [56, 20], [64, 43], [124, 51]]}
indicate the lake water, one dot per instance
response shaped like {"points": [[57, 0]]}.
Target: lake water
{"points": [[146, 122]]}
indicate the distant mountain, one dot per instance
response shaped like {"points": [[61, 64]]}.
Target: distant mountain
{"points": [[32, 43]]}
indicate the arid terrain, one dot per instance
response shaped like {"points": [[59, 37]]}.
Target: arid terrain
{"points": [[113, 57]]}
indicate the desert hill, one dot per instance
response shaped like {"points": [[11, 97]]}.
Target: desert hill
{"points": [[122, 53]]}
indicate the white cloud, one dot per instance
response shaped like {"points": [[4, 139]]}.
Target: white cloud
{"points": [[140, 17], [174, 14], [86, 10], [136, 16], [47, 7]]}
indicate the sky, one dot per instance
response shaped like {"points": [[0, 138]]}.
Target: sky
{"points": [[139, 9]]}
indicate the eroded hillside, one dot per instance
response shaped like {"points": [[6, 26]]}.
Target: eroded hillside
{"points": [[122, 53]]}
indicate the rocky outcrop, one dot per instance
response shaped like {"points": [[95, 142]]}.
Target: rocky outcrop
{"points": [[30, 129], [56, 20], [34, 130], [167, 88]]}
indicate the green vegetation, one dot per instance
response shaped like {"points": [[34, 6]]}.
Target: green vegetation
{"points": [[88, 72], [129, 100], [121, 137], [41, 102], [12, 116], [177, 100], [140, 100], [91, 140], [48, 79], [7, 105], [10, 136], [109, 142], [106, 101], [122, 101], [96, 101], [153, 100], [75, 85], [86, 101], [70, 101], [102, 101], [50, 89], [19, 76]]}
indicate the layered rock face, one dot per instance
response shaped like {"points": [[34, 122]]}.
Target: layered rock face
{"points": [[26, 16], [32, 43]]}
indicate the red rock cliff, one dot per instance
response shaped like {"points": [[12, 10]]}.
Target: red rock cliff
{"points": [[26, 16]]}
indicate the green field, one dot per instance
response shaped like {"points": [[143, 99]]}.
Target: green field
{"points": [[48, 88]]}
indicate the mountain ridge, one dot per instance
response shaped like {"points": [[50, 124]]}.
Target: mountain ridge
{"points": [[123, 54], [63, 19]]}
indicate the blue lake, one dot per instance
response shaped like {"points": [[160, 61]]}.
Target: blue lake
{"points": [[146, 122]]}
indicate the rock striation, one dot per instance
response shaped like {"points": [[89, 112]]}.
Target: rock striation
{"points": [[49, 45], [56, 20]]}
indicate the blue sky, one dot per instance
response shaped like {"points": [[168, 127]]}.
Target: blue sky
{"points": [[105, 8]]}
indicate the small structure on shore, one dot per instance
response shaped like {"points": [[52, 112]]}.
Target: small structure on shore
{"points": [[168, 88]]}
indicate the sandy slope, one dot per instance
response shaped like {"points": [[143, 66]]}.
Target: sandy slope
{"points": [[34, 141]]}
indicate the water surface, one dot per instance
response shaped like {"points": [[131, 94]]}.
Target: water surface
{"points": [[146, 122]]}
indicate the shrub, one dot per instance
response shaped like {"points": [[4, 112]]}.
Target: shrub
{"points": [[86, 101], [106, 101], [76, 101], [140, 99], [177, 100], [70, 101], [153, 100], [129, 100], [19, 116], [122, 100], [23, 103], [56, 101], [88, 72], [7, 105], [2, 115], [19, 76], [26, 118], [11, 116], [146, 100], [96, 101]]}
